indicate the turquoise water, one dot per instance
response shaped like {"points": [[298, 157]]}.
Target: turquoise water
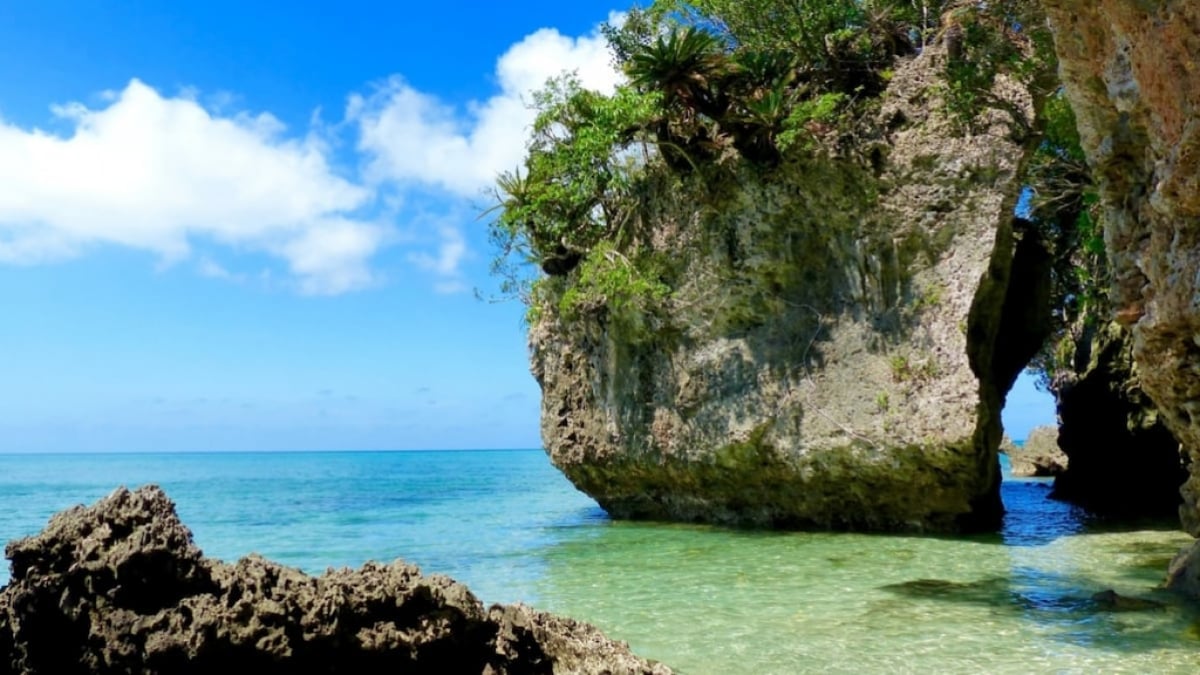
{"points": [[704, 600]]}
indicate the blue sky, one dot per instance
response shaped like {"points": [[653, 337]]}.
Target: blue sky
{"points": [[248, 226]]}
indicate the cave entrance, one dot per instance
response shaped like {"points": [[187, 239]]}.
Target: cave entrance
{"points": [[1102, 440], [1029, 406]]}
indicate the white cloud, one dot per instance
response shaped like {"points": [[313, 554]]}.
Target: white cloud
{"points": [[446, 263], [412, 138], [172, 174], [155, 173]]}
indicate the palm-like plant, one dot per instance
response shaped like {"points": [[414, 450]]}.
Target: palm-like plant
{"points": [[756, 73], [756, 125], [682, 64]]}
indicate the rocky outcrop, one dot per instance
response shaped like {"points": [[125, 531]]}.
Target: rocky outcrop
{"points": [[1038, 456], [120, 587], [1123, 460], [837, 344], [1131, 72]]}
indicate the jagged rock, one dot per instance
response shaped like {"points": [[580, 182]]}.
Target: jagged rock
{"points": [[1123, 459], [120, 587], [1039, 455], [838, 342], [1130, 70]]}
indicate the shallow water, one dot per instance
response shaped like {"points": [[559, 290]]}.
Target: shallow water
{"points": [[704, 600]]}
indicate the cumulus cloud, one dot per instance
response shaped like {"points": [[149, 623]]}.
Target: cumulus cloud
{"points": [[155, 173], [411, 138], [446, 262], [185, 177]]}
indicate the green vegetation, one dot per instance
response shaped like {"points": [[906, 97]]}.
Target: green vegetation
{"points": [[905, 369], [718, 90], [986, 40], [1065, 209]]}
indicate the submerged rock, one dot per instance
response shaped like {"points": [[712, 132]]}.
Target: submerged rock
{"points": [[837, 342], [1111, 601], [1039, 455], [120, 587]]}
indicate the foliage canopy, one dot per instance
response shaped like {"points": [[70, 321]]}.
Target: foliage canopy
{"points": [[711, 83]]}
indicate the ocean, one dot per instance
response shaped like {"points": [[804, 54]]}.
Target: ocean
{"points": [[702, 599]]}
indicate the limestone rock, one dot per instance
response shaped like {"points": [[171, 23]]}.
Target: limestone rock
{"points": [[837, 344], [120, 587], [1039, 455], [1131, 72], [1111, 601]]}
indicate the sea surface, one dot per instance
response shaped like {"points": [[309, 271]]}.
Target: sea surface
{"points": [[702, 599]]}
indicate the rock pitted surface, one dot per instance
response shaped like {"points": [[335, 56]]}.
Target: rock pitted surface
{"points": [[119, 587], [1039, 455], [837, 345], [1124, 461], [1131, 71]]}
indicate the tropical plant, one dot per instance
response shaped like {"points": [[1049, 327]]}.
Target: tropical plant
{"points": [[683, 65], [570, 194], [1064, 205]]}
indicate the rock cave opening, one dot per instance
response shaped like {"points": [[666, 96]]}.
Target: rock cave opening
{"points": [[1087, 424], [1029, 410]]}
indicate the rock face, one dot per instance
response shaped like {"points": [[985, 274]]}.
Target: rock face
{"points": [[120, 587], [1131, 71], [838, 341], [1039, 455], [1123, 459]]}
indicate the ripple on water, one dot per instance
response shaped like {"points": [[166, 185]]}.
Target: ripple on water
{"points": [[703, 599], [717, 601]]}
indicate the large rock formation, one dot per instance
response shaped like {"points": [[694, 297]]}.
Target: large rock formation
{"points": [[1132, 71], [1123, 459], [120, 588], [838, 342]]}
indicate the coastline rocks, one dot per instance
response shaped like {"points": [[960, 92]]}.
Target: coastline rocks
{"points": [[1111, 601], [1130, 72], [120, 587], [1183, 574], [837, 342], [1039, 456]]}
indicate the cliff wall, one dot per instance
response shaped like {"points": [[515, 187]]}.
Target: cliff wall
{"points": [[1123, 459], [1131, 72]]}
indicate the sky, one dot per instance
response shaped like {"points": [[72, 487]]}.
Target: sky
{"points": [[255, 226]]}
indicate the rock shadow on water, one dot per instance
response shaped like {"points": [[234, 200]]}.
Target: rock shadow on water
{"points": [[1104, 618], [1034, 518]]}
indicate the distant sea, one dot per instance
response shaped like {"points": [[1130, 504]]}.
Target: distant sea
{"points": [[705, 600]]}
